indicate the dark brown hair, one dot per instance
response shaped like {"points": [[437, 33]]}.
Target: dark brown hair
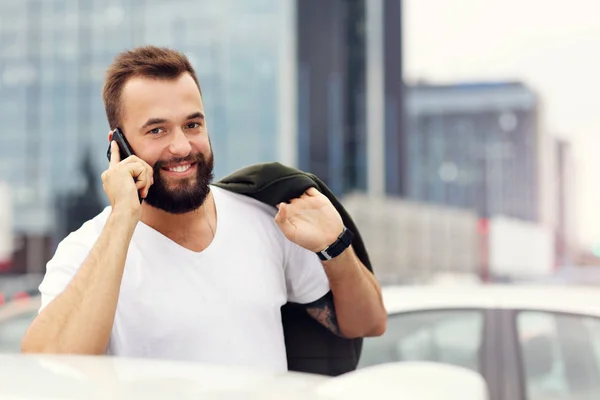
{"points": [[147, 61]]}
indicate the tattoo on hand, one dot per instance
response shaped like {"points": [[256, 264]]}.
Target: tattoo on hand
{"points": [[323, 310]]}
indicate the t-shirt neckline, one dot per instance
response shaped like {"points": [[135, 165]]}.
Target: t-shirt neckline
{"points": [[218, 228]]}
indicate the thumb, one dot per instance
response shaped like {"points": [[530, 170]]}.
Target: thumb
{"points": [[282, 213]]}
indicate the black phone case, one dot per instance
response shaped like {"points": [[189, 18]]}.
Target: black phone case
{"points": [[124, 149]]}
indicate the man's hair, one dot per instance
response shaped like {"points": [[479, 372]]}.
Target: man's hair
{"points": [[148, 62]]}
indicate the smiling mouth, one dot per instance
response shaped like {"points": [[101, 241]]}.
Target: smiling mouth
{"points": [[179, 168]]}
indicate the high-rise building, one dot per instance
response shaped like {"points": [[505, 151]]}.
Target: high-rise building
{"points": [[474, 146], [296, 81], [394, 92], [53, 57], [350, 93], [566, 221]]}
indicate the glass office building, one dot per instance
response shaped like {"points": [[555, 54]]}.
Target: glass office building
{"points": [[474, 146], [350, 90], [53, 55]]}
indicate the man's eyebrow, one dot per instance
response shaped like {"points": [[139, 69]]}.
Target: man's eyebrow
{"points": [[153, 121], [196, 115]]}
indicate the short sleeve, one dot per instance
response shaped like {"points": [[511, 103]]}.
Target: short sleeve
{"points": [[65, 263], [305, 276]]}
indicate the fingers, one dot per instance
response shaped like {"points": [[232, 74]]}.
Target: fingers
{"points": [[150, 180], [137, 170], [140, 171], [135, 159], [149, 183], [142, 175], [149, 171], [115, 156], [302, 202], [282, 214], [312, 192]]}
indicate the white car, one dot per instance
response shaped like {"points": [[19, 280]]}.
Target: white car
{"points": [[41, 377], [528, 342], [38, 377]]}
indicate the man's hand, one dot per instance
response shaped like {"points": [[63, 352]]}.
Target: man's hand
{"points": [[354, 308], [122, 180], [310, 221]]}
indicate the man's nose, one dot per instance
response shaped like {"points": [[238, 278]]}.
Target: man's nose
{"points": [[180, 145]]}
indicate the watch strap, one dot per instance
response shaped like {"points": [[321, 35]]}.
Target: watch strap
{"points": [[342, 243]]}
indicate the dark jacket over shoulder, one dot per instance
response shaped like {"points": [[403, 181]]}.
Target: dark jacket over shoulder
{"points": [[310, 346]]}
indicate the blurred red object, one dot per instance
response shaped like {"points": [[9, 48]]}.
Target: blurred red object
{"points": [[21, 296]]}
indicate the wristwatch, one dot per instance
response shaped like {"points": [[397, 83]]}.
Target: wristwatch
{"points": [[342, 243]]}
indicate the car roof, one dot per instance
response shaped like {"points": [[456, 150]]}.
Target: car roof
{"points": [[564, 299]]}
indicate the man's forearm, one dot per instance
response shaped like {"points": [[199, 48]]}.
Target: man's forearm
{"points": [[80, 319], [357, 296]]}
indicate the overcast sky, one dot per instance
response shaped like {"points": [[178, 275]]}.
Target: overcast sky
{"points": [[554, 46]]}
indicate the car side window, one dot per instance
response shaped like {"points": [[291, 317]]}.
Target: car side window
{"points": [[446, 336], [560, 355], [593, 327]]}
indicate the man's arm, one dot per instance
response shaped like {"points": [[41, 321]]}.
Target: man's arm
{"points": [[355, 302], [80, 319], [312, 222], [323, 310], [354, 306]]}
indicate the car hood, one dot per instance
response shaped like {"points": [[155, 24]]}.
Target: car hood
{"points": [[37, 377], [407, 380], [102, 377]]}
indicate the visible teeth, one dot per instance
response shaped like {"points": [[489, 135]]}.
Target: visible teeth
{"points": [[180, 168]]}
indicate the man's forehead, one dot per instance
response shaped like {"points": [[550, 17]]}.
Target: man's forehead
{"points": [[144, 98], [144, 85]]}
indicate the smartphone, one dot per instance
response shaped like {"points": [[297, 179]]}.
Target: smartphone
{"points": [[125, 149]]}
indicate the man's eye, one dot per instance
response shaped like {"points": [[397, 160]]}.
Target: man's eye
{"points": [[156, 131], [193, 125]]}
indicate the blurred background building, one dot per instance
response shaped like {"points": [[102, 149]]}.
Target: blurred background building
{"points": [[350, 83], [474, 146], [446, 177], [52, 74], [566, 232]]}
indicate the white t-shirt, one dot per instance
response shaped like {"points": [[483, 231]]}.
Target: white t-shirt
{"points": [[221, 305]]}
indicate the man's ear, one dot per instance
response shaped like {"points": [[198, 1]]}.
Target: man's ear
{"points": [[110, 135]]}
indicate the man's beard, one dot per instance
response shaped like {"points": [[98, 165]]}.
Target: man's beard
{"points": [[189, 194]]}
